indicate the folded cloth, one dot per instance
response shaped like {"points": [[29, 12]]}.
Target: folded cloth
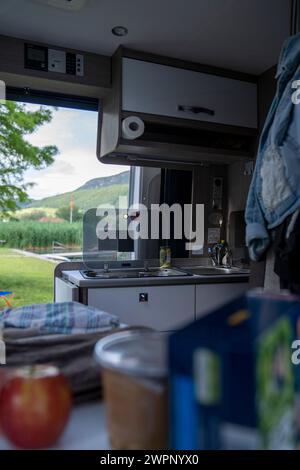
{"points": [[74, 359], [63, 334], [60, 317]]}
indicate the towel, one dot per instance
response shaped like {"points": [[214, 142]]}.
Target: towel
{"points": [[63, 334], [60, 317]]}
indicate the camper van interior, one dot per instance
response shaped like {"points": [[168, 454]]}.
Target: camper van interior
{"points": [[149, 202]]}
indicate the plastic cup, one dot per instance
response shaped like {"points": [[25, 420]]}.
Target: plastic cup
{"points": [[134, 376]]}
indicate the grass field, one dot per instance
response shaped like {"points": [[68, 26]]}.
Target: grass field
{"points": [[40, 234], [31, 279]]}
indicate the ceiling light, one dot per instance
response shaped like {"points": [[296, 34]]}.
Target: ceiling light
{"points": [[119, 31]]}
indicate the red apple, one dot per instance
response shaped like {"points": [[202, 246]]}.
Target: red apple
{"points": [[2, 378], [35, 405]]}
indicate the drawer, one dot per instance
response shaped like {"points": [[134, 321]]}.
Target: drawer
{"points": [[212, 296], [161, 89], [162, 308]]}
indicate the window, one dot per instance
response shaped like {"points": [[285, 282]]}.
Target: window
{"points": [[48, 226]]}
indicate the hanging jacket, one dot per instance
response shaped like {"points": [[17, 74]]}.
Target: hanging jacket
{"points": [[287, 253], [275, 188]]}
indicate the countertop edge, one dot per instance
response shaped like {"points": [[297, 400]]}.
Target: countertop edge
{"points": [[184, 280]]}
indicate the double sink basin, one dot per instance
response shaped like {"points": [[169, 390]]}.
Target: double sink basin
{"points": [[133, 273]]}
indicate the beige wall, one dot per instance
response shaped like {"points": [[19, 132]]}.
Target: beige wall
{"points": [[203, 194], [238, 187]]}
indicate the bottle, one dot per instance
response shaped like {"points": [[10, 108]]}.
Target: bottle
{"points": [[165, 257]]}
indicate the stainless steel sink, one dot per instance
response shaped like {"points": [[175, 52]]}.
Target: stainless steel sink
{"points": [[215, 270], [133, 273], [158, 272]]}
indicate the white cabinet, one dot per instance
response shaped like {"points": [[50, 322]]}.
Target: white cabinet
{"points": [[163, 308], [160, 89], [65, 291], [211, 296]]}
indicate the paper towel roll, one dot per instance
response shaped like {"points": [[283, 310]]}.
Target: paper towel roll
{"points": [[132, 127]]}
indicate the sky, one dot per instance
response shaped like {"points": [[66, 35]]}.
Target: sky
{"points": [[74, 132]]}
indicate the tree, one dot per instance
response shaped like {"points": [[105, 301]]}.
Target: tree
{"points": [[17, 154], [64, 213]]}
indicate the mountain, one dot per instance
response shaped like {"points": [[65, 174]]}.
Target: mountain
{"points": [[103, 190], [121, 178]]}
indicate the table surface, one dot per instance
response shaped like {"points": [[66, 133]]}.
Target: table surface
{"points": [[86, 430]]}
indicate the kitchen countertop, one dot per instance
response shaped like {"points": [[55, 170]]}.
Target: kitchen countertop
{"points": [[76, 278], [86, 430]]}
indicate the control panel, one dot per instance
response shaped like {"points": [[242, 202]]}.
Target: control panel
{"points": [[53, 60]]}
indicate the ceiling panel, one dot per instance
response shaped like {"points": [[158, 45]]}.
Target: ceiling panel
{"points": [[244, 35]]}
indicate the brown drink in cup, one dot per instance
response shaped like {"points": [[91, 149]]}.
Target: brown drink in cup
{"points": [[135, 388]]}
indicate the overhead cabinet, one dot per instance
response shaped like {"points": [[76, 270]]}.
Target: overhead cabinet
{"points": [[186, 94], [189, 114]]}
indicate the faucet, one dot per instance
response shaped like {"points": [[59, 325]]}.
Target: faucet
{"points": [[146, 266], [105, 267], [214, 254], [227, 259], [220, 252]]}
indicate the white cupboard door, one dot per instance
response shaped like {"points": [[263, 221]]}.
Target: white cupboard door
{"points": [[169, 91], [212, 296], [163, 308], [65, 291]]}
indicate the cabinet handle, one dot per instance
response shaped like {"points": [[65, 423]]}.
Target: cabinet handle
{"points": [[143, 297], [195, 110]]}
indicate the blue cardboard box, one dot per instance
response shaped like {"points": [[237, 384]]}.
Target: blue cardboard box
{"points": [[232, 381]]}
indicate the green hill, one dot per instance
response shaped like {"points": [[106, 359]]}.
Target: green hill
{"points": [[104, 181], [97, 191]]}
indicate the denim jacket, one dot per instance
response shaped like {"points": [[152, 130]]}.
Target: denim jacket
{"points": [[275, 188]]}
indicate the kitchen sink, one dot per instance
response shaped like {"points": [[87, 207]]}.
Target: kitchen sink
{"points": [[158, 272], [133, 273], [216, 270]]}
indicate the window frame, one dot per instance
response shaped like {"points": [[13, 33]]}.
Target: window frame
{"points": [[47, 98]]}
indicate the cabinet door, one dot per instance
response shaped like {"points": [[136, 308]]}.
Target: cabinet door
{"points": [[159, 89], [65, 291], [162, 308], [212, 296]]}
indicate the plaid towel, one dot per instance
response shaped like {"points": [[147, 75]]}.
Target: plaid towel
{"points": [[60, 318], [73, 354], [63, 334]]}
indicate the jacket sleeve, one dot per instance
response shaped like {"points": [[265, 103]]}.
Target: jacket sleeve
{"points": [[257, 236]]}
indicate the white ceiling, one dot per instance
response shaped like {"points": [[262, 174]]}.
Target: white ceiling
{"points": [[244, 35]]}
